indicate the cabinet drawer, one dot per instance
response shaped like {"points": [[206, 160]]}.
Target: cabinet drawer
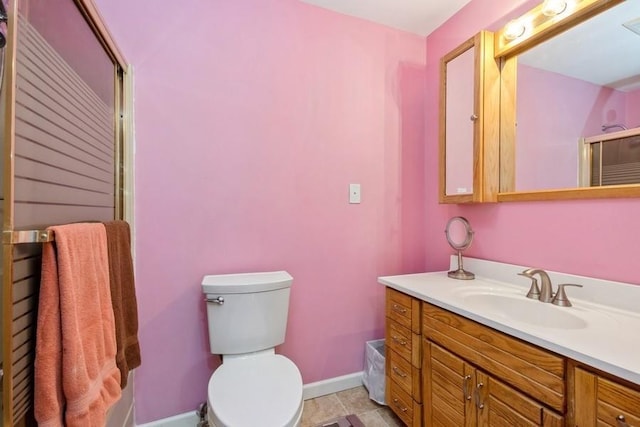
{"points": [[409, 411], [535, 371], [404, 374], [616, 400], [403, 309], [404, 342]]}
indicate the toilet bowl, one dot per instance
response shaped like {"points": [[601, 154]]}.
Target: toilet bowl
{"points": [[260, 390], [247, 318]]}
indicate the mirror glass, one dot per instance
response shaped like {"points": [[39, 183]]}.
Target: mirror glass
{"points": [[459, 105], [582, 83], [459, 235]]}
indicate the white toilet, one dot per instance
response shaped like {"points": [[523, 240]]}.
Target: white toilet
{"points": [[247, 317]]}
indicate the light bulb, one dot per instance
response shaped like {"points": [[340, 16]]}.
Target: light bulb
{"points": [[553, 7], [513, 29]]}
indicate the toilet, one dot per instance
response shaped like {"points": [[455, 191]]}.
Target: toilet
{"points": [[247, 318]]}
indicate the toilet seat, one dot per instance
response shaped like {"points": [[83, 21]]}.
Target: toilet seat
{"points": [[257, 390]]}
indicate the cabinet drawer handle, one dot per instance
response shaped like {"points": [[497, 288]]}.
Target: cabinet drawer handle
{"points": [[621, 421], [399, 341], [466, 382], [479, 403], [399, 309], [399, 372], [399, 406]]}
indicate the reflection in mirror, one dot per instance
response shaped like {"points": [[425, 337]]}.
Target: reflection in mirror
{"points": [[459, 235], [583, 83]]}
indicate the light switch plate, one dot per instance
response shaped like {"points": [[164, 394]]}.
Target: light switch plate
{"points": [[354, 193]]}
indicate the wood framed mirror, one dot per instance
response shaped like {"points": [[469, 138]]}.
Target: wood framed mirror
{"points": [[554, 106]]}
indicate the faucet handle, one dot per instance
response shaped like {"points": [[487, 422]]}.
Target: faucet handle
{"points": [[561, 297], [534, 291]]}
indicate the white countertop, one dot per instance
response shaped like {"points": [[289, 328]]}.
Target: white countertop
{"points": [[607, 313]]}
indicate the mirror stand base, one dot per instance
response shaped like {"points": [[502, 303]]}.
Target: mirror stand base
{"points": [[461, 274]]}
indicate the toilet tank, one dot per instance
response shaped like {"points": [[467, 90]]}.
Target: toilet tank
{"points": [[246, 312]]}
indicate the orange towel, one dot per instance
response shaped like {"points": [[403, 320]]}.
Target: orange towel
{"points": [[123, 297], [76, 378]]}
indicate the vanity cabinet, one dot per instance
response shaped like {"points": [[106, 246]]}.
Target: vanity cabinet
{"points": [[403, 357], [461, 395], [474, 375], [469, 122], [600, 401]]}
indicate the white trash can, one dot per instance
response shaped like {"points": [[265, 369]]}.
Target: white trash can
{"points": [[373, 377]]}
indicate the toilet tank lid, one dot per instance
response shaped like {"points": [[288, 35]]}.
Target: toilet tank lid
{"points": [[244, 283]]}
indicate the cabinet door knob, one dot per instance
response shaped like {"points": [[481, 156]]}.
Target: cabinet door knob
{"points": [[466, 382], [473, 117], [479, 402], [398, 372], [399, 341], [399, 309], [399, 406], [621, 421]]}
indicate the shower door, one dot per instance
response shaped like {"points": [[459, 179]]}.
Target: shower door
{"points": [[62, 147]]}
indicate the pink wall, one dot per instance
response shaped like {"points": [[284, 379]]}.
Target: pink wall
{"points": [[586, 237], [252, 117]]}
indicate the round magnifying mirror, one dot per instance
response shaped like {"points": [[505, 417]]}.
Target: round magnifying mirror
{"points": [[459, 235]]}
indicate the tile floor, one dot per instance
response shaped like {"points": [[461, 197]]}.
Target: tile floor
{"points": [[352, 401]]}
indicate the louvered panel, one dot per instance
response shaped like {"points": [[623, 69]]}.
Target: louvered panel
{"points": [[20, 323], [48, 143], [42, 155], [56, 128], [63, 166], [57, 110], [26, 215], [623, 173], [42, 85], [22, 402], [26, 278], [27, 266], [32, 191], [24, 343], [42, 60], [41, 53]]}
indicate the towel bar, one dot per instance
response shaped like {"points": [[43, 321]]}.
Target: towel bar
{"points": [[27, 236]]}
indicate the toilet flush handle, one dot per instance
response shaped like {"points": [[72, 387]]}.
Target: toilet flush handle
{"points": [[217, 300]]}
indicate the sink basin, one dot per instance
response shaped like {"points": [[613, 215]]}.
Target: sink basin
{"points": [[516, 307]]}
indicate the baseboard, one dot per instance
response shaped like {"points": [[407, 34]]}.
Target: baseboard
{"points": [[331, 385], [188, 419], [309, 391]]}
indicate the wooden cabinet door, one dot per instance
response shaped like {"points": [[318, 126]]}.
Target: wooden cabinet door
{"points": [[469, 135], [447, 388], [602, 402], [497, 404]]}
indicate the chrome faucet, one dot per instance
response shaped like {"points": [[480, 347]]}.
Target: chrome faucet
{"points": [[546, 290]]}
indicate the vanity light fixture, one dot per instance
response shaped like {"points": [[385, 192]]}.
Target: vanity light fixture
{"points": [[514, 29], [553, 7]]}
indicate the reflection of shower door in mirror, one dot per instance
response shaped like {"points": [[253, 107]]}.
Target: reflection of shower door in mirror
{"points": [[611, 159], [60, 160]]}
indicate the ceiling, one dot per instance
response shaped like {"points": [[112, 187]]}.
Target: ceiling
{"points": [[602, 50], [416, 16]]}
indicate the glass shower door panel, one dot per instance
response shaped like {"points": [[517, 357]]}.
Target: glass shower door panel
{"points": [[64, 147], [63, 159]]}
